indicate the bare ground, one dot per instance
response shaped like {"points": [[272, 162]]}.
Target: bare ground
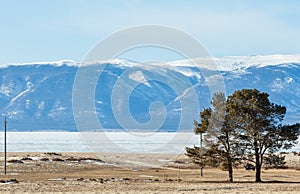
{"points": [[85, 173]]}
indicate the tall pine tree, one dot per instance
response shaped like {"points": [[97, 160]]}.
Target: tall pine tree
{"points": [[220, 141], [260, 122], [246, 124]]}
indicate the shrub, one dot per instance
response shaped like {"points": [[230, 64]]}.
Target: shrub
{"points": [[275, 161]]}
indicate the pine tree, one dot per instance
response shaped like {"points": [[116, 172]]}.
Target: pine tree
{"points": [[220, 140], [246, 126], [260, 122]]}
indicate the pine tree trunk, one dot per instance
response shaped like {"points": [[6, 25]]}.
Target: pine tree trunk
{"points": [[229, 159], [258, 174], [230, 170], [257, 163]]}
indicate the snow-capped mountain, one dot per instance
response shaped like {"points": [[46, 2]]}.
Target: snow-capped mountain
{"points": [[38, 96]]}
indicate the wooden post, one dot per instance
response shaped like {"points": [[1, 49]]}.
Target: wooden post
{"points": [[178, 173]]}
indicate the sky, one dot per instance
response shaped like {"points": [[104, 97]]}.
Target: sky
{"points": [[34, 30]]}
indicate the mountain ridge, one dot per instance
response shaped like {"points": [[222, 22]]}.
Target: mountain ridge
{"points": [[231, 62], [39, 96]]}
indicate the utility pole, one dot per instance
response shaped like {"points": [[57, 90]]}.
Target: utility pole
{"points": [[201, 167], [5, 145]]}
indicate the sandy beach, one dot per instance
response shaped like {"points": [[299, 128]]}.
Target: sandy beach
{"points": [[86, 173]]}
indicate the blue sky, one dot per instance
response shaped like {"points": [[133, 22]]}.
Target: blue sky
{"points": [[35, 30]]}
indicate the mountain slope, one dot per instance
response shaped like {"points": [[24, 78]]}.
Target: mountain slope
{"points": [[38, 96]]}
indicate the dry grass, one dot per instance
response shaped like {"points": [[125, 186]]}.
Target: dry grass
{"points": [[86, 176]]}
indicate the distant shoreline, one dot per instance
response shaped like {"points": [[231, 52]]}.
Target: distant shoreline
{"points": [[117, 131]]}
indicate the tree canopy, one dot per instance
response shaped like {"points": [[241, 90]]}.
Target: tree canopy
{"points": [[244, 127]]}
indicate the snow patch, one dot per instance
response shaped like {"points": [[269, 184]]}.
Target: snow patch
{"points": [[188, 72], [186, 93], [277, 85], [5, 90], [15, 114], [288, 79], [227, 63], [41, 105], [54, 63], [27, 104], [230, 63], [19, 95], [138, 76], [177, 109], [57, 110]]}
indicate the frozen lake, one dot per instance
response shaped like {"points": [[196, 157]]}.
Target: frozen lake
{"points": [[98, 141], [161, 142]]}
